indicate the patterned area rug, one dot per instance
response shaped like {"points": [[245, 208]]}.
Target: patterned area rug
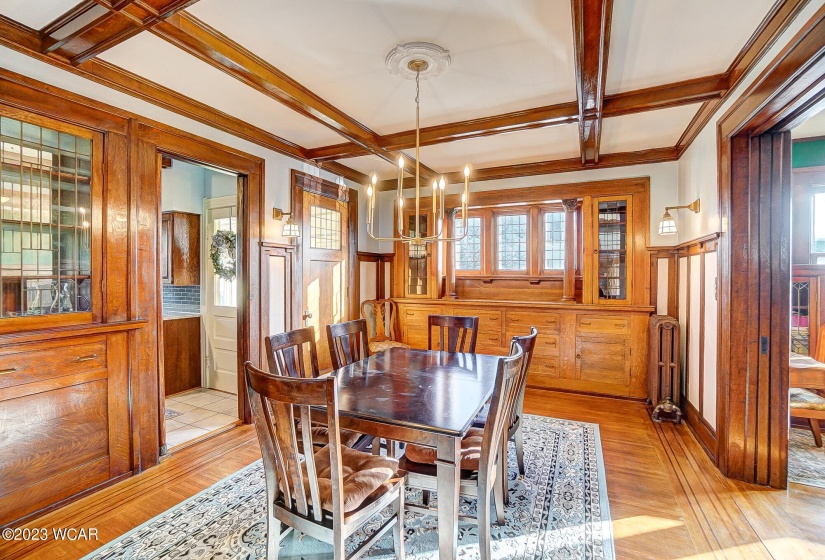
{"points": [[806, 461], [558, 509]]}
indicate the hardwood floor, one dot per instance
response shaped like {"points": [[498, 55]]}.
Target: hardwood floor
{"points": [[667, 500]]}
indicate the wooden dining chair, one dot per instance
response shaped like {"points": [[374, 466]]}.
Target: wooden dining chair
{"points": [[514, 430], [807, 376], [328, 494], [347, 345], [294, 354], [347, 342], [482, 460], [461, 333], [382, 324]]}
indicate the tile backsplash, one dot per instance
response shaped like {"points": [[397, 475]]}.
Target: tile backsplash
{"points": [[181, 299]]}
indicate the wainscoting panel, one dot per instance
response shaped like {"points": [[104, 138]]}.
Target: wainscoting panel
{"points": [[709, 340], [694, 322]]}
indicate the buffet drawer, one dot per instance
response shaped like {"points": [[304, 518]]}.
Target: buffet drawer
{"points": [[602, 324], [541, 370], [544, 322], [28, 363]]}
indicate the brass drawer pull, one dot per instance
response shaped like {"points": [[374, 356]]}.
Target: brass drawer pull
{"points": [[8, 370], [620, 325], [88, 358], [585, 322], [515, 320]]}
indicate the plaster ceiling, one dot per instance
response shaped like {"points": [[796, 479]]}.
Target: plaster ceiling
{"points": [[36, 13], [815, 126], [652, 129], [196, 79], [506, 56], [654, 42]]}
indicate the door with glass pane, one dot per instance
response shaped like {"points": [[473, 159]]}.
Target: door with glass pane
{"points": [[221, 302], [325, 251], [612, 219]]}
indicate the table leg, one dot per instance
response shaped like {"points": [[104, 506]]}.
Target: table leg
{"points": [[449, 480]]}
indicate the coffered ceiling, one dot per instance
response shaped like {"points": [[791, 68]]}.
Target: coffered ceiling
{"points": [[534, 85]]}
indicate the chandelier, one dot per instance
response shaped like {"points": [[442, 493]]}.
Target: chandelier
{"points": [[417, 61]]}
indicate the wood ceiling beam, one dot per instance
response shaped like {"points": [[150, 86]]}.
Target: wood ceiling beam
{"points": [[198, 39], [94, 26], [28, 41], [655, 155], [648, 99], [774, 24], [591, 33]]}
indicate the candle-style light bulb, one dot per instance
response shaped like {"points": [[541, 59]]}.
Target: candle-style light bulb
{"points": [[401, 162], [466, 170], [369, 191], [435, 197], [442, 184]]}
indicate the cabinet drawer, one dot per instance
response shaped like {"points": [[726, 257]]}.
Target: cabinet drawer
{"points": [[602, 324], [29, 363], [523, 320], [417, 316], [488, 321], [542, 369], [546, 344], [488, 342]]}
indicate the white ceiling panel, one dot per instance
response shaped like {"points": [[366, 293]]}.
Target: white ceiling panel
{"points": [[641, 131], [372, 164], [654, 42], [36, 13], [506, 56], [815, 126], [527, 146], [182, 72]]}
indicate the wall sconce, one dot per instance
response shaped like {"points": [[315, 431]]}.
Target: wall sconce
{"points": [[290, 227], [667, 225]]}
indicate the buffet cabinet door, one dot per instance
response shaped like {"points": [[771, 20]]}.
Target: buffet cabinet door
{"points": [[64, 420]]}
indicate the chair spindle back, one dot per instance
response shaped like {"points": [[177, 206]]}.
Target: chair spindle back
{"points": [[461, 333], [348, 342], [276, 400], [287, 353], [502, 403]]}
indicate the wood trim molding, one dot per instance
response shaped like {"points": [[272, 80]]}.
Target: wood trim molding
{"points": [[319, 186], [202, 41], [774, 24], [27, 41], [660, 97], [656, 155], [591, 32]]}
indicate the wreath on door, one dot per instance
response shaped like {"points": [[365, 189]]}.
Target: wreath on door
{"points": [[222, 254]]}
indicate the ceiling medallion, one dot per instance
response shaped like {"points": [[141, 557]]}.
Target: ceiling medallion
{"points": [[417, 61], [402, 59]]}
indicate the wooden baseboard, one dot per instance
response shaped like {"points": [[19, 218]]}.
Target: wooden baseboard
{"points": [[587, 393], [701, 429]]}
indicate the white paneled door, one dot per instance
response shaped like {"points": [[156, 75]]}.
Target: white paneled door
{"points": [[220, 317]]}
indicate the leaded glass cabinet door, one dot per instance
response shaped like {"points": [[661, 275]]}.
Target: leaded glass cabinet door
{"points": [[49, 223], [420, 270], [612, 255]]}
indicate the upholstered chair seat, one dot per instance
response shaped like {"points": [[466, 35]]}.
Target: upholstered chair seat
{"points": [[366, 477], [808, 400], [470, 452]]}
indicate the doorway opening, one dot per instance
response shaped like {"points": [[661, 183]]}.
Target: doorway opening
{"points": [[199, 335], [806, 454]]}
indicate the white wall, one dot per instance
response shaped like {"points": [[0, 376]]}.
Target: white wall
{"points": [[698, 165], [181, 187], [698, 178]]}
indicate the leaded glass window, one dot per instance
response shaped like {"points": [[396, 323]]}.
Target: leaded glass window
{"points": [[324, 228], [800, 313], [512, 241], [612, 250], [554, 240], [45, 220], [468, 250]]}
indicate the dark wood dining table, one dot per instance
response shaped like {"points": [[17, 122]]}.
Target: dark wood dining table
{"points": [[420, 396]]}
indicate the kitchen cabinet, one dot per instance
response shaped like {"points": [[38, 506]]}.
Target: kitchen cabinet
{"points": [[181, 354], [180, 245]]}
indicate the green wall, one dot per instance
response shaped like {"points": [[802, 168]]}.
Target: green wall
{"points": [[808, 154]]}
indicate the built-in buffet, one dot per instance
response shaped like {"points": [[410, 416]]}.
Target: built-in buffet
{"points": [[571, 260]]}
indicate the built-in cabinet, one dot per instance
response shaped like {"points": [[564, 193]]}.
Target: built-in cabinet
{"points": [[576, 267], [180, 246], [181, 354], [579, 347]]}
